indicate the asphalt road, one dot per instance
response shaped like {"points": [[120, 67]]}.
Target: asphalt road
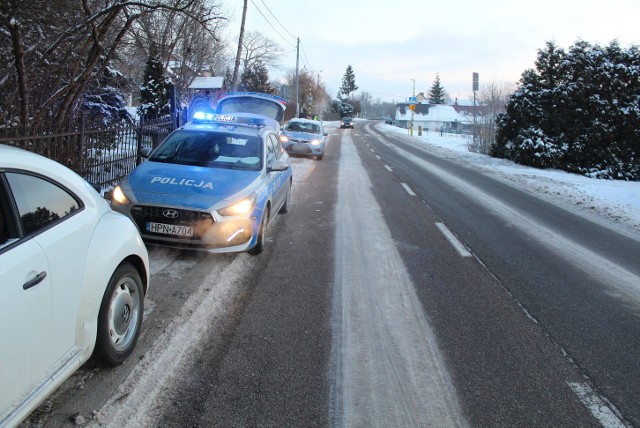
{"points": [[401, 290], [576, 280]]}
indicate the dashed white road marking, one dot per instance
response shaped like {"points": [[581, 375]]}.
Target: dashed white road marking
{"points": [[379, 158], [388, 168], [596, 406], [453, 240], [408, 189]]}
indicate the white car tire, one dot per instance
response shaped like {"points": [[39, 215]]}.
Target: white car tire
{"points": [[120, 316]]}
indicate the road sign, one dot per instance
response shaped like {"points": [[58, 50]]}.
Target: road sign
{"points": [[412, 106]]}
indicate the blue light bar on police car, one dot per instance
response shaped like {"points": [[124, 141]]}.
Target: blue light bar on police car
{"points": [[205, 117]]}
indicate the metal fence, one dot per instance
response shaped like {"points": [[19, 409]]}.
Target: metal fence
{"points": [[102, 155]]}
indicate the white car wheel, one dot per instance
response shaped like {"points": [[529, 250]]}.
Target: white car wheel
{"points": [[120, 316]]}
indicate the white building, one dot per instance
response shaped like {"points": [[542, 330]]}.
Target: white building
{"points": [[434, 118]]}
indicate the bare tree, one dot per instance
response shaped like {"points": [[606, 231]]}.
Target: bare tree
{"points": [[58, 48], [259, 48], [187, 48], [314, 98], [492, 100], [365, 102]]}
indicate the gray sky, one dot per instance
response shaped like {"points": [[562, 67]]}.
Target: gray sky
{"points": [[388, 42]]}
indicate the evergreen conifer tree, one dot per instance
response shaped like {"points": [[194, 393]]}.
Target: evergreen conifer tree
{"points": [[436, 93], [348, 82], [256, 79], [104, 101], [154, 93], [578, 111]]}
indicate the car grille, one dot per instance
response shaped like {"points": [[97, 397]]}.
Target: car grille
{"points": [[300, 150], [199, 220]]}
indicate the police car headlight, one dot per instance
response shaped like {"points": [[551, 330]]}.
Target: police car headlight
{"points": [[242, 207], [119, 196], [315, 142], [283, 138]]}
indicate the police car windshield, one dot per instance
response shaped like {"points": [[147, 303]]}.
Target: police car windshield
{"points": [[211, 149]]}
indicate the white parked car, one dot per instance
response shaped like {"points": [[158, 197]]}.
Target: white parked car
{"points": [[73, 276]]}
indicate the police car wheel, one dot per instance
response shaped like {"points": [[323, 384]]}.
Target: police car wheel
{"points": [[286, 206], [262, 234]]}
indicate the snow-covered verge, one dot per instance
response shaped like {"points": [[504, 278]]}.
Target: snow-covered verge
{"points": [[615, 200]]}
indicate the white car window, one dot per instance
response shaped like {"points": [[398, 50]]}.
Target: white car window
{"points": [[39, 201]]}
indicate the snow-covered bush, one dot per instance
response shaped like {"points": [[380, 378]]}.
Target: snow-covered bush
{"points": [[579, 110]]}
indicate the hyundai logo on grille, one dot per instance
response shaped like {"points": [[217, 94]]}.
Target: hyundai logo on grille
{"points": [[170, 213]]}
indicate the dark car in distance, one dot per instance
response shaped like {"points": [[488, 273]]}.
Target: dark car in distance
{"points": [[346, 122]]}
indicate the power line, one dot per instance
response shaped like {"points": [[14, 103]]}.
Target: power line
{"points": [[271, 25], [304, 54], [276, 18]]}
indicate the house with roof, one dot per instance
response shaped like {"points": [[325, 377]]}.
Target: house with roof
{"points": [[434, 118], [204, 93]]}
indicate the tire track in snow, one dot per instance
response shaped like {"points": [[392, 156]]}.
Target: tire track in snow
{"points": [[386, 365]]}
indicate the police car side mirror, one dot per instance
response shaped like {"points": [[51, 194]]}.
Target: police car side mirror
{"points": [[145, 152], [278, 165]]}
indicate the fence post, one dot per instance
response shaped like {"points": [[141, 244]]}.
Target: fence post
{"points": [[81, 145], [139, 142]]}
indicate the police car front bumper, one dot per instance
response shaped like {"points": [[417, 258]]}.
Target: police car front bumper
{"points": [[198, 230], [221, 237]]}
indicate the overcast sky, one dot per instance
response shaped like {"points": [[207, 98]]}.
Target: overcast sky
{"points": [[388, 43]]}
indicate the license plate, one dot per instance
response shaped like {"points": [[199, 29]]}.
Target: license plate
{"points": [[169, 229]]}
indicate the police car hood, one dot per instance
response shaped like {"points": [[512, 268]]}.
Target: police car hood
{"points": [[156, 183]]}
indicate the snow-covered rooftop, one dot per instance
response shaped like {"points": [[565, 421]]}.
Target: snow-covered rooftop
{"points": [[436, 113], [207, 83]]}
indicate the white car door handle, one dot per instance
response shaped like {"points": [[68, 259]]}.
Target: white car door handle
{"points": [[35, 281]]}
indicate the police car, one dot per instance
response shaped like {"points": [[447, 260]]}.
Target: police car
{"points": [[214, 184]]}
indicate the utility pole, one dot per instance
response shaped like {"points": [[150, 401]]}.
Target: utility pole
{"points": [[476, 87], [234, 80], [297, 78], [413, 99]]}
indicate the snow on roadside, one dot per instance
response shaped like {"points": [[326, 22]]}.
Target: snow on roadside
{"points": [[615, 200], [136, 400]]}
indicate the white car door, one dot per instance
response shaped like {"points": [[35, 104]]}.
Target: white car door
{"points": [[62, 230], [25, 317]]}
